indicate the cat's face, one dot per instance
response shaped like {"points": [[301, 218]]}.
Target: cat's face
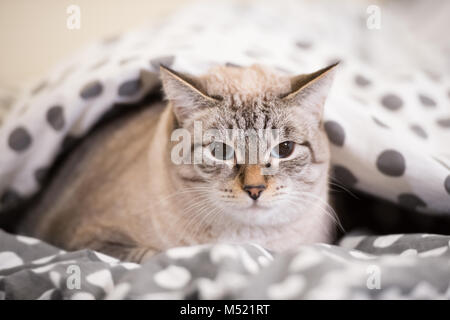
{"points": [[264, 153]]}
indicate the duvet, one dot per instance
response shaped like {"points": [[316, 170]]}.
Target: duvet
{"points": [[414, 266]]}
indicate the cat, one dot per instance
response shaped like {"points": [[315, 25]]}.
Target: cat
{"points": [[121, 193]]}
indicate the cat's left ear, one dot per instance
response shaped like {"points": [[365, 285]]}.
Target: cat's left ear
{"points": [[309, 91], [185, 92]]}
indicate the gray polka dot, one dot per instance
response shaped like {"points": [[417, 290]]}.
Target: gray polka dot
{"points": [[391, 163], [343, 175], [55, 117], [165, 61], [335, 133], [379, 122], [19, 139], [447, 184], [40, 175], [362, 81], [444, 123], [411, 201], [419, 131], [303, 44], [427, 101], [391, 102], [91, 90], [130, 88]]}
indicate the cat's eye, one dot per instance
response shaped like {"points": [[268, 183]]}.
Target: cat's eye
{"points": [[283, 150], [221, 151]]}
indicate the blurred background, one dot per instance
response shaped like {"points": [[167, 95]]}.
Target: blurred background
{"points": [[34, 32]]}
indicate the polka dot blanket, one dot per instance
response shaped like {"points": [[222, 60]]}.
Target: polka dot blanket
{"points": [[387, 118], [387, 267]]}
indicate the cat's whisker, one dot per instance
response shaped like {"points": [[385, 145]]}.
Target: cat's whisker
{"points": [[328, 209], [201, 219], [195, 201], [321, 201], [190, 201], [192, 210], [333, 181], [177, 193], [204, 223], [190, 213], [322, 210], [185, 191], [204, 205]]}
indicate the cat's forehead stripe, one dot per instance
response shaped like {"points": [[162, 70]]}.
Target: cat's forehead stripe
{"points": [[245, 85]]}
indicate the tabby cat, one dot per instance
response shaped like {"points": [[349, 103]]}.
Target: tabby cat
{"points": [[122, 193]]}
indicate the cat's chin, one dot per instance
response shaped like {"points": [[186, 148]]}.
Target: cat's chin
{"points": [[259, 214], [252, 208], [257, 206]]}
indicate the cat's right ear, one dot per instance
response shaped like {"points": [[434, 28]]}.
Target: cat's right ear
{"points": [[185, 93], [309, 91]]}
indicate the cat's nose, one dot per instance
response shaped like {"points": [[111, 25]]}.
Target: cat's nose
{"points": [[254, 191]]}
